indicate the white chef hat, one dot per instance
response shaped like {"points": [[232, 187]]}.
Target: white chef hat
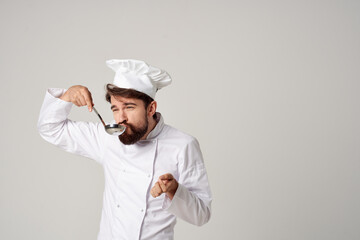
{"points": [[138, 75]]}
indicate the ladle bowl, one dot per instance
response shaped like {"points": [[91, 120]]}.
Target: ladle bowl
{"points": [[113, 128]]}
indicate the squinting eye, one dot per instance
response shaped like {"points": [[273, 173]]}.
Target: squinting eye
{"points": [[129, 107]]}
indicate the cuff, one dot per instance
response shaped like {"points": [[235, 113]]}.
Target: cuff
{"points": [[56, 92], [169, 204], [54, 105]]}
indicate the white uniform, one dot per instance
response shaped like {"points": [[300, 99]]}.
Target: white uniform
{"points": [[129, 211]]}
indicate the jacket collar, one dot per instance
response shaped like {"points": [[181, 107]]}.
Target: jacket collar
{"points": [[158, 128]]}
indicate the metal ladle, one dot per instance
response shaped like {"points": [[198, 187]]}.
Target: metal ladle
{"points": [[112, 129]]}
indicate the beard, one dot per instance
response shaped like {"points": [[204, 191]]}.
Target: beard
{"points": [[136, 133]]}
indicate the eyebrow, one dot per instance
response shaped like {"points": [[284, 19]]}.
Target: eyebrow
{"points": [[126, 104]]}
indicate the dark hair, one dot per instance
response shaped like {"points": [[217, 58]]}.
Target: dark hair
{"points": [[112, 90]]}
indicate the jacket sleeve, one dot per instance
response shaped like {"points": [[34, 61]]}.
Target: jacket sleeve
{"points": [[77, 137], [192, 200]]}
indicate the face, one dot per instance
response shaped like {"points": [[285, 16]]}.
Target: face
{"points": [[131, 113]]}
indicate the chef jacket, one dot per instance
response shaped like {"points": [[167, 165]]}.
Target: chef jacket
{"points": [[129, 211]]}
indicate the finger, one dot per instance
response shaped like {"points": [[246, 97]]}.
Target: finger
{"points": [[166, 176], [152, 192], [165, 182], [81, 99], [162, 186], [77, 103], [88, 100], [157, 189]]}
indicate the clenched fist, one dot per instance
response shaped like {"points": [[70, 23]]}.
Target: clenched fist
{"points": [[166, 184], [78, 95]]}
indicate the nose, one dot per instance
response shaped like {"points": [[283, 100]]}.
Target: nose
{"points": [[121, 117]]}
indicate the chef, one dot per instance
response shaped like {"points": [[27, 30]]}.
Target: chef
{"points": [[153, 172]]}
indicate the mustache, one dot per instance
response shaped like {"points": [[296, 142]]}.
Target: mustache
{"points": [[128, 125], [122, 122]]}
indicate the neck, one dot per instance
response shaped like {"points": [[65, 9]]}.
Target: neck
{"points": [[152, 125]]}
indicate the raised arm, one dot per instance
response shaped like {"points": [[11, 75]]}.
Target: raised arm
{"points": [[77, 137]]}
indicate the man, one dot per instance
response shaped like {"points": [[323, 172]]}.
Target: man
{"points": [[153, 172]]}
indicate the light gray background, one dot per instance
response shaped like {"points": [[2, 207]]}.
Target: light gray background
{"points": [[269, 88]]}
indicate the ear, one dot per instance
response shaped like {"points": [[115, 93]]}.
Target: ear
{"points": [[152, 108]]}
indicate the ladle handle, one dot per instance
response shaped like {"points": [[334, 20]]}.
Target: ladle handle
{"points": [[96, 112]]}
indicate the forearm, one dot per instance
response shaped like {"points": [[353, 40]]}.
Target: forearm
{"points": [[188, 206]]}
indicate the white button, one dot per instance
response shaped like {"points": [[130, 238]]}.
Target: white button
{"points": [[149, 175], [118, 206], [142, 210]]}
